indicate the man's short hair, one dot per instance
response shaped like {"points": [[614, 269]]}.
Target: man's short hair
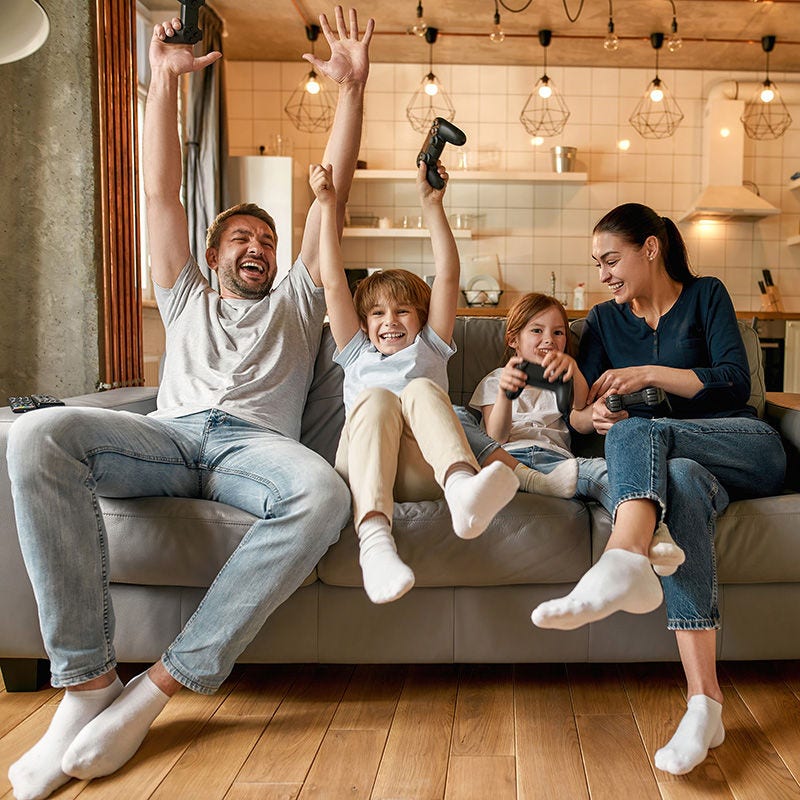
{"points": [[214, 232]]}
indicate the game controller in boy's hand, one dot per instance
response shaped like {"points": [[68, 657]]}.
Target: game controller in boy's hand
{"points": [[535, 373], [189, 33], [650, 396], [440, 133]]}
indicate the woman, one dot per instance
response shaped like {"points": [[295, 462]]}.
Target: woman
{"points": [[667, 328]]}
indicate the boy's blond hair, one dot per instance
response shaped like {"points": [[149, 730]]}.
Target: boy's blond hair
{"points": [[531, 305], [400, 285]]}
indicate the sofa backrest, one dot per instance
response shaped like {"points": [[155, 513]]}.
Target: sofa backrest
{"points": [[480, 349]]}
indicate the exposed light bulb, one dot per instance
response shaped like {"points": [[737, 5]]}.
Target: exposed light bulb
{"points": [[545, 90], [431, 89], [537, 141], [656, 94], [498, 34], [312, 84], [624, 144], [767, 94], [611, 42], [420, 26], [724, 132], [674, 43]]}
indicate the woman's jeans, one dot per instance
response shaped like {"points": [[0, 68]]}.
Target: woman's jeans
{"points": [[690, 469], [61, 459]]}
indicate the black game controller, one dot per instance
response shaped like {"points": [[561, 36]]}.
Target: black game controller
{"points": [[190, 32], [535, 373], [440, 133], [651, 397]]}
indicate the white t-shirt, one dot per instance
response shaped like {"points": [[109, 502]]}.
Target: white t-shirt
{"points": [[365, 366], [535, 418], [251, 358]]}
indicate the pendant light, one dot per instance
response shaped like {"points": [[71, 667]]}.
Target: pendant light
{"points": [[430, 100], [765, 115], [498, 34], [674, 43], [26, 27], [611, 42], [419, 25], [310, 107], [657, 115], [545, 113]]}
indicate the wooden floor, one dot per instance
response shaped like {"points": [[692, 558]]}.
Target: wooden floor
{"points": [[447, 732]]}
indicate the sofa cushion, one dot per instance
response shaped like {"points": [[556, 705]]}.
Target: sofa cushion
{"points": [[192, 539], [534, 539]]}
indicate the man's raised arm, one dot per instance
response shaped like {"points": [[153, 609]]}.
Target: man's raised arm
{"points": [[348, 66], [167, 227]]}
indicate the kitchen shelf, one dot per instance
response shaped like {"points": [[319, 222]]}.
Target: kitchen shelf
{"points": [[398, 233], [459, 175], [793, 240]]}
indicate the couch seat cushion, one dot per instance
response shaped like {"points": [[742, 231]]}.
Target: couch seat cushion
{"points": [[172, 541], [534, 539]]}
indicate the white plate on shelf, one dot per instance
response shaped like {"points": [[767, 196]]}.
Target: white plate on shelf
{"points": [[485, 284]]}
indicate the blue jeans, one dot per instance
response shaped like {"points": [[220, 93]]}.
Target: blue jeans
{"points": [[690, 469], [61, 459], [592, 474]]}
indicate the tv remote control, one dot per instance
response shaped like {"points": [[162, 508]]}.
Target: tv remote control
{"points": [[30, 402]]}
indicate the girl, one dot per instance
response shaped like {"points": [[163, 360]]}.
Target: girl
{"points": [[401, 440]]}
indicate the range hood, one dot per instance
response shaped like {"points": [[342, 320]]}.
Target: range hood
{"points": [[723, 196]]}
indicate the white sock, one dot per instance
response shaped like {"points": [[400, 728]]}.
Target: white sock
{"points": [[561, 482], [38, 772], [619, 581], [665, 554], [700, 729], [386, 576], [475, 499], [111, 739]]}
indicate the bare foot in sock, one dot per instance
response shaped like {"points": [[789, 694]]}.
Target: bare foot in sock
{"points": [[665, 554], [386, 576], [619, 581], [38, 772], [560, 482], [700, 729], [113, 737], [475, 499]]}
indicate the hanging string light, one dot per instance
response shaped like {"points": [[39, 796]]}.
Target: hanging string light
{"points": [[497, 35], [430, 100], [657, 115], [310, 107], [611, 42], [419, 26], [765, 115], [545, 113]]}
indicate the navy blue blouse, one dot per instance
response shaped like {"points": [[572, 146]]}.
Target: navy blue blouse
{"points": [[699, 332]]}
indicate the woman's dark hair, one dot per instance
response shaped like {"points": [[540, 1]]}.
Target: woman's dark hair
{"points": [[634, 223]]}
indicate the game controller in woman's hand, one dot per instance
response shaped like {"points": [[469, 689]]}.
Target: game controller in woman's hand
{"points": [[651, 396], [440, 133], [535, 372], [190, 32]]}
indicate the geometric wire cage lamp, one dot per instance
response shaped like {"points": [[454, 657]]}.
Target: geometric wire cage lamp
{"points": [[765, 115], [545, 113], [310, 107], [430, 100], [657, 115]]}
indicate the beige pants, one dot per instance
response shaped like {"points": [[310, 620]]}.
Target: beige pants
{"points": [[400, 448]]}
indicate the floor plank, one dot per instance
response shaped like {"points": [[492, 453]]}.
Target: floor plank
{"points": [[371, 698], [484, 721], [481, 778], [597, 689], [264, 791]]}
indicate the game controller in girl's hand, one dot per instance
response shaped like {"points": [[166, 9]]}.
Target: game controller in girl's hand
{"points": [[190, 32], [562, 389], [440, 133]]}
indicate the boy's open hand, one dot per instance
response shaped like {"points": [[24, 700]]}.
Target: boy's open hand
{"points": [[176, 58], [320, 179], [349, 61]]}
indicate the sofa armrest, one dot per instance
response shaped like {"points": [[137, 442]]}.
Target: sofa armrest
{"points": [[786, 421]]}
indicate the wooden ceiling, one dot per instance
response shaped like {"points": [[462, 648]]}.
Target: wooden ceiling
{"points": [[716, 34]]}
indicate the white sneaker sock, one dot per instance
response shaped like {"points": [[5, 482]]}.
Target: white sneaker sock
{"points": [[665, 555], [386, 576], [561, 482], [111, 739], [38, 772], [619, 581], [475, 499], [700, 729]]}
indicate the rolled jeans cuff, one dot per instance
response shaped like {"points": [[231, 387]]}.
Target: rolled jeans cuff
{"points": [[639, 496], [693, 624]]}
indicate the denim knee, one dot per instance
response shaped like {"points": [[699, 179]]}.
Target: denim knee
{"points": [[29, 437]]}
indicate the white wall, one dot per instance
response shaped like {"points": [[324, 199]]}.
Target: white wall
{"points": [[544, 227]]}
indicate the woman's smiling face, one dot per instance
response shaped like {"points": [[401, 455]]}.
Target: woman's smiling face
{"points": [[624, 267]]}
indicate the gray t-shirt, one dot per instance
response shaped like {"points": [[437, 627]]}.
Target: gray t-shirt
{"points": [[251, 358]]}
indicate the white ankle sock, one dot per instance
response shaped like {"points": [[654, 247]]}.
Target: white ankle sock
{"points": [[619, 581], [386, 576], [700, 729], [475, 499], [665, 555], [561, 482], [38, 772], [111, 739]]}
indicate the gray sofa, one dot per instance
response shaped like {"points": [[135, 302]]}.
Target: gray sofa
{"points": [[472, 600]]}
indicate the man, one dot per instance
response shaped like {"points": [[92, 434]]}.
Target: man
{"points": [[238, 367]]}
